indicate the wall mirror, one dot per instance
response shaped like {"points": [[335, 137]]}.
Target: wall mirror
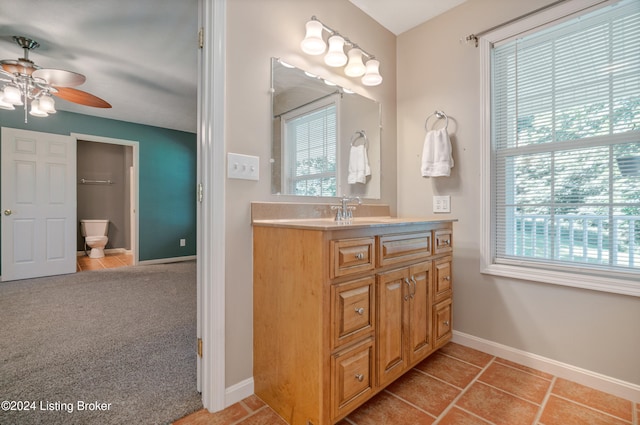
{"points": [[325, 139]]}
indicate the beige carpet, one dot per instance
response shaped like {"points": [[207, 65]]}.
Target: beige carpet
{"points": [[104, 347]]}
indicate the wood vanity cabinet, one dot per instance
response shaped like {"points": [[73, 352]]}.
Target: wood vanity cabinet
{"points": [[341, 312]]}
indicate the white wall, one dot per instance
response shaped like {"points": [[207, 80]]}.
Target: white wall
{"points": [[256, 31], [591, 330]]}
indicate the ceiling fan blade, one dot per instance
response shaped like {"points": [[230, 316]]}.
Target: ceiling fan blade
{"points": [[80, 97], [18, 67], [59, 77]]}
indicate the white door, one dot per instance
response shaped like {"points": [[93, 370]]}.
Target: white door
{"points": [[38, 204]]}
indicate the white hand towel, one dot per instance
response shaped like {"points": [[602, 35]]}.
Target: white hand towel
{"points": [[436, 154], [358, 165]]}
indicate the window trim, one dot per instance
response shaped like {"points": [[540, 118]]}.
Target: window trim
{"points": [[619, 283]]}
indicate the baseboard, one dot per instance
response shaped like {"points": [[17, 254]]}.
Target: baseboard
{"points": [[168, 260], [237, 392], [591, 379]]}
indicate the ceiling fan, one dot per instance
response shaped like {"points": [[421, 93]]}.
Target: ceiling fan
{"points": [[22, 81]]}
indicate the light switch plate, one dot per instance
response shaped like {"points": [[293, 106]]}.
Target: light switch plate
{"points": [[245, 167], [442, 204]]}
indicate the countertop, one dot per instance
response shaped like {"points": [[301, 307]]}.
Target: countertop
{"points": [[356, 222]]}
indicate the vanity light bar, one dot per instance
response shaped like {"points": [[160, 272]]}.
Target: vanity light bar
{"points": [[314, 44]]}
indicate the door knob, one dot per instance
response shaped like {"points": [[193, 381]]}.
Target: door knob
{"points": [[7, 212]]}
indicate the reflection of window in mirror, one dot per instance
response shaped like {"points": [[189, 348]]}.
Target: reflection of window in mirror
{"points": [[310, 148]]}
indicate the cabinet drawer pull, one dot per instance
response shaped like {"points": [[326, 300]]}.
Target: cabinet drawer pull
{"points": [[446, 323], [446, 242], [446, 278], [359, 377], [360, 311], [359, 256]]}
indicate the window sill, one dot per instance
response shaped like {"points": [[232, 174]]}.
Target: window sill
{"points": [[577, 280]]}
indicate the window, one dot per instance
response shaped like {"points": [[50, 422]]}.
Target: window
{"points": [[562, 148], [310, 136]]}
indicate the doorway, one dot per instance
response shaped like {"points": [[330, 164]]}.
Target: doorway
{"points": [[107, 175]]}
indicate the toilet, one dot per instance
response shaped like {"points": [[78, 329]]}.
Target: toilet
{"points": [[95, 236]]}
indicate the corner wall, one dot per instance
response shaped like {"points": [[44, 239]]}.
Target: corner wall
{"points": [[595, 331], [256, 31]]}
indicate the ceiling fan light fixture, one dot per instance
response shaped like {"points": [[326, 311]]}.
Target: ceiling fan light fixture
{"points": [[5, 105], [12, 95], [35, 109], [47, 104]]}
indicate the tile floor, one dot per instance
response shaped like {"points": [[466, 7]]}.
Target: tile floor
{"points": [[109, 261], [461, 386]]}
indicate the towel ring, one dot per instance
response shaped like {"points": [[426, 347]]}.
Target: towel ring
{"points": [[439, 115], [360, 134]]}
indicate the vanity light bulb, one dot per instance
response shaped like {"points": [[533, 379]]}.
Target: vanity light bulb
{"points": [[335, 56], [355, 68], [313, 44], [372, 76]]}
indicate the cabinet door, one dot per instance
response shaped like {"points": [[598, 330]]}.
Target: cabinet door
{"points": [[392, 298], [419, 326]]}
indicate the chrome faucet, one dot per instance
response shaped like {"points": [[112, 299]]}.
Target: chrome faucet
{"points": [[344, 212]]}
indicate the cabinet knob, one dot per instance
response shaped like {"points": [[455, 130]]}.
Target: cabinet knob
{"points": [[359, 377], [446, 323], [447, 278], [360, 311], [359, 256]]}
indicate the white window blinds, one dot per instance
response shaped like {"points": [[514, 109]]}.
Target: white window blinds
{"points": [[565, 134], [311, 139]]}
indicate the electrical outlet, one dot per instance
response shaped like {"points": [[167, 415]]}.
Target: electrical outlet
{"points": [[245, 167], [183, 242], [442, 204]]}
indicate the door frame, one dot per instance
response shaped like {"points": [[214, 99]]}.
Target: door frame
{"points": [[135, 181], [211, 214]]}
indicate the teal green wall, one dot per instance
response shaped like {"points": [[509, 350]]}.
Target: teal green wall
{"points": [[168, 164]]}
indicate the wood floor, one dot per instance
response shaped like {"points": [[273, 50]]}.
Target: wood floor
{"points": [[461, 386]]}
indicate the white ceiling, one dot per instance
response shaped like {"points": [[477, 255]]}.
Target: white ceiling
{"points": [[399, 16], [141, 55]]}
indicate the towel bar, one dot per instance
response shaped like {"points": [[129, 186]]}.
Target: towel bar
{"points": [[360, 134], [439, 115]]}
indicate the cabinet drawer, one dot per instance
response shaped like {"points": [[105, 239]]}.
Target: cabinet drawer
{"points": [[443, 241], [394, 249], [350, 256], [442, 326], [442, 281], [352, 377], [353, 310]]}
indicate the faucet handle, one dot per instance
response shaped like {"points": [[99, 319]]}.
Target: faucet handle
{"points": [[338, 210]]}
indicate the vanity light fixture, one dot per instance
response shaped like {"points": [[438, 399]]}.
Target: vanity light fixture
{"points": [[314, 44]]}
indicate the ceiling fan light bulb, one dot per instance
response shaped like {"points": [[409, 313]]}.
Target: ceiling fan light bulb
{"points": [[35, 109], [313, 44], [372, 76], [12, 95], [47, 105], [335, 56]]}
